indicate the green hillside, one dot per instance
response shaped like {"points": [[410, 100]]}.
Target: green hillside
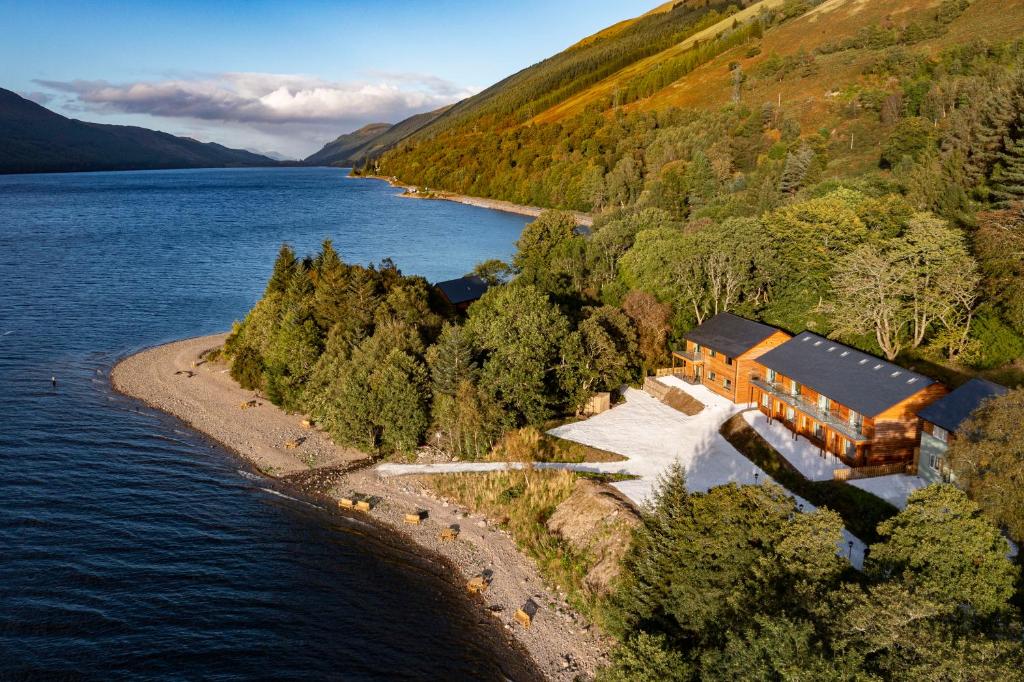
{"points": [[797, 116], [370, 141], [345, 149], [34, 139]]}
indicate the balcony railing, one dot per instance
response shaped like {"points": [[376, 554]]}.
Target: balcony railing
{"points": [[687, 355], [829, 418]]}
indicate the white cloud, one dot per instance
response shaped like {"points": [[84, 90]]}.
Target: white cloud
{"points": [[276, 105]]}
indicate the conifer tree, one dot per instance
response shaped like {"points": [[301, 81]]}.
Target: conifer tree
{"points": [[1008, 175], [794, 173], [331, 284], [451, 361], [284, 268]]}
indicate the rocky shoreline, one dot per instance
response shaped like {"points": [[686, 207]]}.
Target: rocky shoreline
{"points": [[178, 378]]}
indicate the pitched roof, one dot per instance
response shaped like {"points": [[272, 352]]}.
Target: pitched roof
{"points": [[463, 289], [730, 334], [862, 382], [952, 410]]}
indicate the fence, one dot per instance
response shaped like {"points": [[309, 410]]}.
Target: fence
{"points": [[598, 403], [871, 471]]}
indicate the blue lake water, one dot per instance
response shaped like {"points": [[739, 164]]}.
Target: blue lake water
{"points": [[130, 546]]}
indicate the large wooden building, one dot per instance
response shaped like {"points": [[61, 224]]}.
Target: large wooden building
{"points": [[851, 404], [721, 354]]}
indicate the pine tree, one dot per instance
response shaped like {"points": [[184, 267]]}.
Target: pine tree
{"points": [[451, 361], [284, 268], [1008, 175], [331, 283], [798, 164]]}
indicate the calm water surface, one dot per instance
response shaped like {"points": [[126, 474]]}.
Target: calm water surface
{"points": [[132, 548]]}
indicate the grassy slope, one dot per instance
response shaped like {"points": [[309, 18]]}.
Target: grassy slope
{"points": [[580, 101], [810, 99]]}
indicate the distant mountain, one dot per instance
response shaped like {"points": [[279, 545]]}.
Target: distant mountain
{"points": [[369, 141], [342, 150], [34, 139], [276, 156]]}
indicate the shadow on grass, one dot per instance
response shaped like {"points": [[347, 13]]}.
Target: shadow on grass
{"points": [[861, 511]]}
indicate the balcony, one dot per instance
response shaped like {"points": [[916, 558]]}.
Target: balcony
{"points": [[829, 418], [695, 358]]}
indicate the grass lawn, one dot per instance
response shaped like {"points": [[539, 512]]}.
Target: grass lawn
{"points": [[861, 511]]}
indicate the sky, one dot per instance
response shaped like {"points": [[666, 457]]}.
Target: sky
{"points": [[282, 77]]}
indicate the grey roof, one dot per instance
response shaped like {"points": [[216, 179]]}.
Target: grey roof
{"points": [[463, 289], [730, 334], [860, 381], [952, 410]]}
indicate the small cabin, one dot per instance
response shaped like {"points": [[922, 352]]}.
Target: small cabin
{"points": [[721, 354], [941, 421], [462, 292], [854, 405]]}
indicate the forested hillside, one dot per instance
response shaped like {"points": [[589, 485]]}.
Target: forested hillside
{"points": [[369, 141], [809, 150], [34, 139]]}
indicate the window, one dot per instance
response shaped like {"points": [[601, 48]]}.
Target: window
{"points": [[697, 349], [713, 353], [849, 448], [819, 431], [728, 384], [790, 414], [771, 376], [728, 360], [712, 376], [764, 400], [794, 388], [856, 420], [824, 404], [940, 433]]}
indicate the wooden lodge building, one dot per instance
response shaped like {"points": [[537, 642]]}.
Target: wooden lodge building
{"points": [[941, 420], [849, 403], [721, 354]]}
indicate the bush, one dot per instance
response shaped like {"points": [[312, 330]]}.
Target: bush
{"points": [[247, 368], [911, 137], [1000, 344]]}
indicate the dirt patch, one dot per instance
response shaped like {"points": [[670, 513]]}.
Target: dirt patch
{"points": [[675, 398], [597, 520]]}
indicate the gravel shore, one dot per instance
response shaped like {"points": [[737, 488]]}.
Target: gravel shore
{"points": [[582, 219], [176, 378]]}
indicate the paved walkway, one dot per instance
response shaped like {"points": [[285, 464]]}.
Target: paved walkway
{"points": [[801, 453]]}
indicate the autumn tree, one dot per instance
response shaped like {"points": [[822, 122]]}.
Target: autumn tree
{"points": [[651, 320], [988, 459]]}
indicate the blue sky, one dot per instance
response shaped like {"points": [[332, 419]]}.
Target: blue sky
{"points": [[280, 76]]}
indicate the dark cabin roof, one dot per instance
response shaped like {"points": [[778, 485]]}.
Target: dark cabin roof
{"points": [[862, 382], [730, 334], [463, 289], [952, 410]]}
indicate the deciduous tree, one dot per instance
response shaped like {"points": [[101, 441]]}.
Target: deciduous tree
{"points": [[988, 459]]}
